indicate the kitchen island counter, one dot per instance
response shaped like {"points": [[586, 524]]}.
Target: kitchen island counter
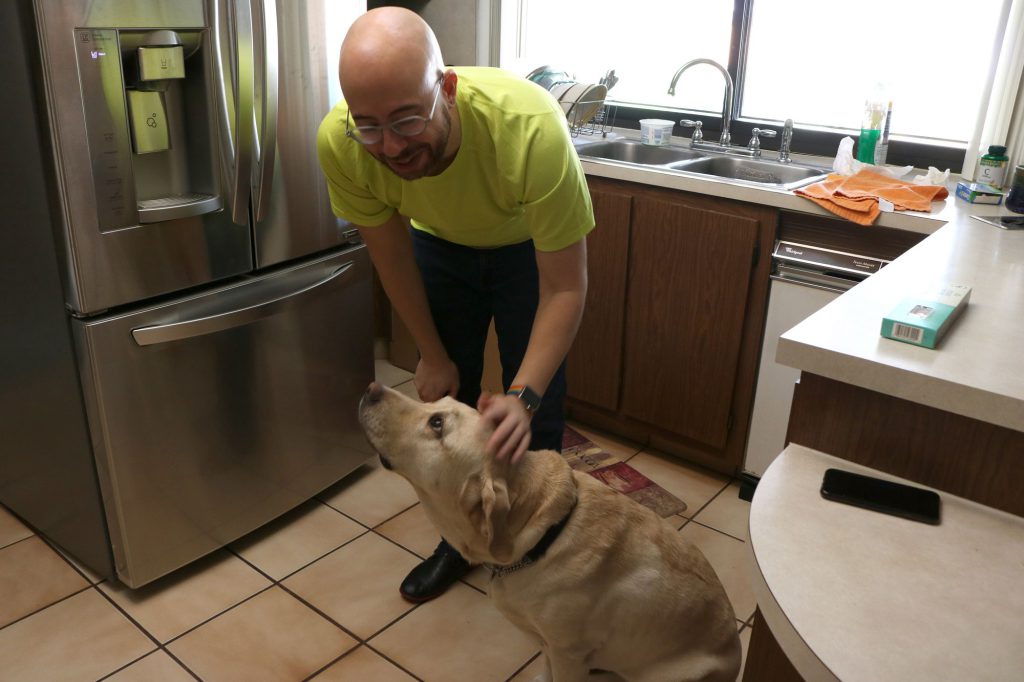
{"points": [[852, 594]]}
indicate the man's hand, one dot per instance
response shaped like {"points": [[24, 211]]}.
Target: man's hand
{"points": [[511, 423], [436, 380]]}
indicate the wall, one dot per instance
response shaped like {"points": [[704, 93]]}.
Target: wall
{"points": [[456, 23]]}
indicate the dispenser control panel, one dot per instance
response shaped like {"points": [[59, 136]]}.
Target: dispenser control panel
{"points": [[99, 68]]}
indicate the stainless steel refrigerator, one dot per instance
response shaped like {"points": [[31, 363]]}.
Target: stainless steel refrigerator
{"points": [[186, 326]]}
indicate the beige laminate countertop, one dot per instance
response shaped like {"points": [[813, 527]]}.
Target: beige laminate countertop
{"points": [[977, 370], [852, 594]]}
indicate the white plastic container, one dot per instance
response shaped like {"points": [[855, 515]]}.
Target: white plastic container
{"points": [[655, 131]]}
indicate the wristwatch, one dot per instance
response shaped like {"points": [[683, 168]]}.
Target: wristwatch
{"points": [[527, 396]]}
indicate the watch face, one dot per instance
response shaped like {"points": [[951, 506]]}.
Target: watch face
{"points": [[528, 397]]}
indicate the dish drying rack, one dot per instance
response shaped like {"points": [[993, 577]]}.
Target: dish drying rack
{"points": [[601, 123]]}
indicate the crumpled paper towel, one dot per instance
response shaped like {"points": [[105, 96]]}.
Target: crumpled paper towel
{"points": [[845, 164], [933, 177]]}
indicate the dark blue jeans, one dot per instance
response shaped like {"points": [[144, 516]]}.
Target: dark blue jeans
{"points": [[466, 288]]}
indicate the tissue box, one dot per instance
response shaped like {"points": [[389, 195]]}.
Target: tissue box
{"points": [[978, 193], [923, 320]]}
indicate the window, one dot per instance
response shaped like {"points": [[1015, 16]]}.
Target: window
{"points": [[643, 43], [933, 71], [808, 60]]}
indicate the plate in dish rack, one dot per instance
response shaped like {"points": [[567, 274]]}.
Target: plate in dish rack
{"points": [[582, 101]]}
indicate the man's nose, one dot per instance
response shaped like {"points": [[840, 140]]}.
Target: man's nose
{"points": [[392, 144]]}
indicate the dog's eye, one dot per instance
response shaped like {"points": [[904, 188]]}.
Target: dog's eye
{"points": [[436, 422]]}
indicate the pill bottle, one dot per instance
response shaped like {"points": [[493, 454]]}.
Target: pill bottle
{"points": [[992, 166]]}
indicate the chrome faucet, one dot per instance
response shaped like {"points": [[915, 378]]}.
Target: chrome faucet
{"points": [[787, 140], [726, 139]]}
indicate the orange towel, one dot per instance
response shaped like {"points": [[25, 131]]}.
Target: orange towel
{"points": [[856, 197]]}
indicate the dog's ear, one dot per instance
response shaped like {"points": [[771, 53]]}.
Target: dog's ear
{"points": [[485, 500]]}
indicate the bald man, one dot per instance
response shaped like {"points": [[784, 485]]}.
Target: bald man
{"points": [[481, 163]]}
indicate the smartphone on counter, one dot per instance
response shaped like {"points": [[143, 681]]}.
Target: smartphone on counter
{"points": [[916, 504]]}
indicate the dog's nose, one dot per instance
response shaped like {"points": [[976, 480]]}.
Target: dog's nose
{"points": [[374, 392]]}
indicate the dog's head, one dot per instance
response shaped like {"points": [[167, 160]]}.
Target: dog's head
{"points": [[439, 448]]}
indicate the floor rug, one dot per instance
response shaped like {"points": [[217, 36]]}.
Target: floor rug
{"points": [[586, 457]]}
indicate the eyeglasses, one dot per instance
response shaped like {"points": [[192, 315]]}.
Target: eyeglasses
{"points": [[405, 127]]}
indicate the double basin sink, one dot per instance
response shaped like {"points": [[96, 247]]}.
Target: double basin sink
{"points": [[723, 166]]}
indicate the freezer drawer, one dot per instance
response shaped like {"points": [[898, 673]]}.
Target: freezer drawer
{"points": [[211, 415]]}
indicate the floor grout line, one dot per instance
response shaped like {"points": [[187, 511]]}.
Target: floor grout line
{"points": [[322, 614], [159, 645], [397, 544], [12, 543], [393, 662], [524, 666], [43, 608], [303, 566]]}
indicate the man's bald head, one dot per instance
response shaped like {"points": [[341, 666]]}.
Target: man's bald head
{"points": [[389, 50]]}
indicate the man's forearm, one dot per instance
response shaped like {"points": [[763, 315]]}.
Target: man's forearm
{"points": [[563, 292], [554, 329], [390, 250]]}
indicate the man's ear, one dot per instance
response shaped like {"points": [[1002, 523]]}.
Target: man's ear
{"points": [[449, 83], [485, 500]]}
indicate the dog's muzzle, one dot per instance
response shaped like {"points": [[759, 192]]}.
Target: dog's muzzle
{"points": [[374, 392]]}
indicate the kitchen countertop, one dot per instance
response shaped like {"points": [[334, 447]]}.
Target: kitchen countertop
{"points": [[977, 370], [852, 594]]}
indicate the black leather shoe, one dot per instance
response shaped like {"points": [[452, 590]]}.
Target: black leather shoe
{"points": [[435, 575]]}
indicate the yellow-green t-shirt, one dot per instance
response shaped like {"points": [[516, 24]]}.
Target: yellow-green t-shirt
{"points": [[515, 177]]}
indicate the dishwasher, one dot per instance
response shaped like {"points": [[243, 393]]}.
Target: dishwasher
{"points": [[805, 278]]}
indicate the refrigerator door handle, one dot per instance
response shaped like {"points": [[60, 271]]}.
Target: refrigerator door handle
{"points": [[227, 141], [237, 146], [236, 317], [266, 134]]}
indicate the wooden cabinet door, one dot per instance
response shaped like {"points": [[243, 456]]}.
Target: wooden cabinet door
{"points": [[689, 277], [594, 364]]}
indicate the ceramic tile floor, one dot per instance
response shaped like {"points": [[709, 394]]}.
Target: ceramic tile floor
{"points": [[313, 594]]}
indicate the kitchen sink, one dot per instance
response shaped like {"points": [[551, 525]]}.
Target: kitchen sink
{"points": [[748, 171], [757, 171], [629, 151]]}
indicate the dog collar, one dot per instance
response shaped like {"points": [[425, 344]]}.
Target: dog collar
{"points": [[538, 550]]}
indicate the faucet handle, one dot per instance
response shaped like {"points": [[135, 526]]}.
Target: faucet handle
{"points": [[755, 142], [697, 136]]}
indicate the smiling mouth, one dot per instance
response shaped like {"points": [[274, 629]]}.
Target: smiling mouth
{"points": [[403, 163]]}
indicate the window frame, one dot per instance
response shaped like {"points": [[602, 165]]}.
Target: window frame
{"points": [[813, 140]]}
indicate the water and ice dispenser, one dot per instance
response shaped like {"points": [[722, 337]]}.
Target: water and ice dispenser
{"points": [[148, 120]]}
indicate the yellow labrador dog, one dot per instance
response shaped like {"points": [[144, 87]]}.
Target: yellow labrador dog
{"points": [[599, 580]]}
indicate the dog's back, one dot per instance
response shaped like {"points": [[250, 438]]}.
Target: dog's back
{"points": [[623, 589]]}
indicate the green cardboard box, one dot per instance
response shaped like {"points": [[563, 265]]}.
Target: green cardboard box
{"points": [[923, 320]]}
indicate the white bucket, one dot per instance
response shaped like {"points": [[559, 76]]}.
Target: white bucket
{"points": [[655, 131]]}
